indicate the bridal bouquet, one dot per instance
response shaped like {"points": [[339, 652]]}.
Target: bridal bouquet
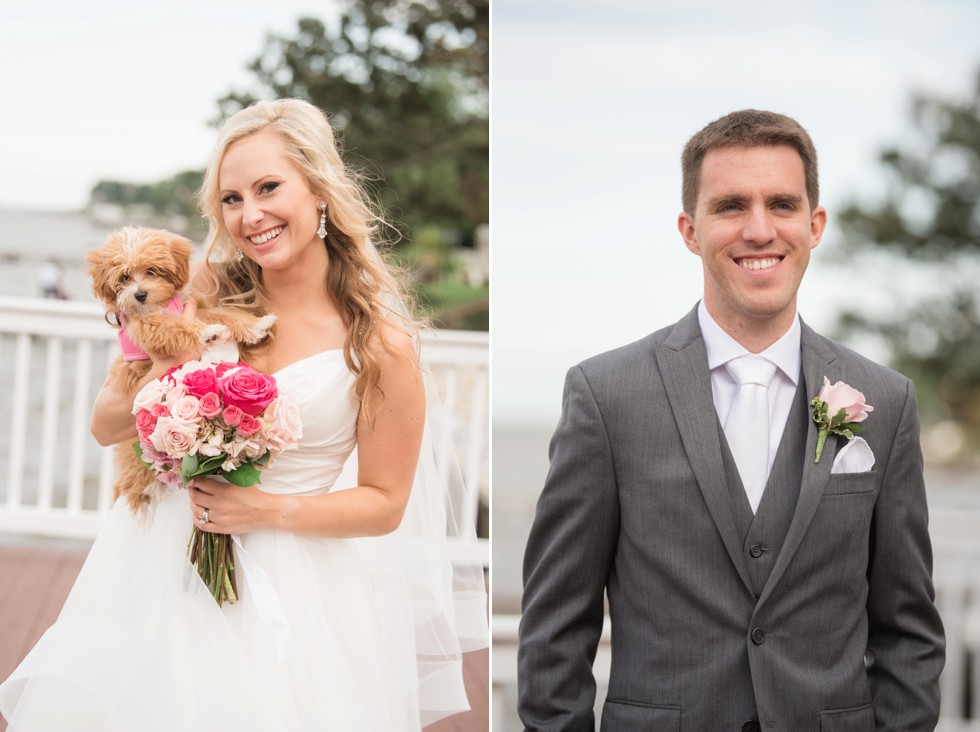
{"points": [[223, 419]]}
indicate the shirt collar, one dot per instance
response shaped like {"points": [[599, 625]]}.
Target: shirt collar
{"points": [[721, 348]]}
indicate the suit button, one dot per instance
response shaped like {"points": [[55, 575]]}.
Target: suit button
{"points": [[750, 726], [755, 551], [758, 637]]}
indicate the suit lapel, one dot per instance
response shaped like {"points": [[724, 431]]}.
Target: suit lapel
{"points": [[684, 367], [819, 360]]}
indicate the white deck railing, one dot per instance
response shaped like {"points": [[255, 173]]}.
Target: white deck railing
{"points": [[57, 481], [956, 544]]}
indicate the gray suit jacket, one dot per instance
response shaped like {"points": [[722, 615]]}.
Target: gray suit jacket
{"points": [[844, 635]]}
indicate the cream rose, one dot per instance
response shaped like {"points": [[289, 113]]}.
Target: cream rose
{"points": [[187, 409], [149, 395], [173, 437], [285, 427]]}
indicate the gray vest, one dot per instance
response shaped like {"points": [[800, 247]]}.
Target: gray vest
{"points": [[763, 534]]}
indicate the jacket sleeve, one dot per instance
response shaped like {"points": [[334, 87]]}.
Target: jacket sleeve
{"points": [[566, 567], [905, 633]]}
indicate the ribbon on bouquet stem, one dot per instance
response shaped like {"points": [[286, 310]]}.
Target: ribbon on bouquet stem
{"points": [[266, 600]]}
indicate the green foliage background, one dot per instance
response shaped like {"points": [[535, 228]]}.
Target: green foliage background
{"points": [[926, 230], [406, 85]]}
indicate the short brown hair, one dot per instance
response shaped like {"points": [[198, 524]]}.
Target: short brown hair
{"points": [[747, 128]]}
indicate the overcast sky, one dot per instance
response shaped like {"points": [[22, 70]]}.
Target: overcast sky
{"points": [[592, 104], [120, 89]]}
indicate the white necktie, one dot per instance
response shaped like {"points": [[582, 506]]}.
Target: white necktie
{"points": [[747, 425]]}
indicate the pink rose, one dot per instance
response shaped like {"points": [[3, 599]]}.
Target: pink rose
{"points": [[210, 405], [248, 390], [284, 424], [232, 416], [173, 437], [249, 425], [174, 393], [225, 366], [841, 396], [151, 455], [168, 375], [146, 422], [187, 409], [200, 382], [160, 410]]}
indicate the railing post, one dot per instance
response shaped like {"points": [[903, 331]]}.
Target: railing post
{"points": [[18, 420], [37, 427], [49, 425], [79, 425]]}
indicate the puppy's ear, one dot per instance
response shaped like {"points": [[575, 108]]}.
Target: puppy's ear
{"points": [[100, 272], [180, 253], [95, 258]]}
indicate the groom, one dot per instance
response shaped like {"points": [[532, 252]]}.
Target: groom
{"points": [[749, 587]]}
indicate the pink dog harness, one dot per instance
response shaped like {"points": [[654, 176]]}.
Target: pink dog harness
{"points": [[132, 352]]}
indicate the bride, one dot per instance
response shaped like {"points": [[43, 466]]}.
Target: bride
{"points": [[351, 617]]}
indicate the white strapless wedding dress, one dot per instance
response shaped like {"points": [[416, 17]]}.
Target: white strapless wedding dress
{"points": [[328, 634]]}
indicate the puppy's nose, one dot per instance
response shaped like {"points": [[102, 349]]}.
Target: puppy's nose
{"points": [[140, 295]]}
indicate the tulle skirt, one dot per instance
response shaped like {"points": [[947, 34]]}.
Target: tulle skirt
{"points": [[141, 644]]}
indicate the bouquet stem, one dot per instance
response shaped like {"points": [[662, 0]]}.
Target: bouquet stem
{"points": [[215, 559]]}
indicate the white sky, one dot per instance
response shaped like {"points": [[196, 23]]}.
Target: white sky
{"points": [[120, 89], [592, 103]]}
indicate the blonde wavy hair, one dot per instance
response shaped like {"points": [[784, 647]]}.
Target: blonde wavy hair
{"points": [[359, 281]]}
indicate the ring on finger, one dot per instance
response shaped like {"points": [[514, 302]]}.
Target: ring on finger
{"points": [[204, 517]]}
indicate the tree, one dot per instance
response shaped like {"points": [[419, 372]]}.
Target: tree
{"points": [[930, 218], [167, 203], [406, 84]]}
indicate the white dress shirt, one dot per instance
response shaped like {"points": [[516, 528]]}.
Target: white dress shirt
{"points": [[786, 353]]}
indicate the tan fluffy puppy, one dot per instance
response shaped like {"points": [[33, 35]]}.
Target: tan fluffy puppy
{"points": [[139, 274]]}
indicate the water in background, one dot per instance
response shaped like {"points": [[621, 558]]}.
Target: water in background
{"points": [[520, 465], [32, 241]]}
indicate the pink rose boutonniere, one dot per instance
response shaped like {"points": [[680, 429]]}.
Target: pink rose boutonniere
{"points": [[837, 409]]}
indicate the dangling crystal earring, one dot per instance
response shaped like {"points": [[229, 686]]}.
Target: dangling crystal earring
{"points": [[322, 231], [240, 256]]}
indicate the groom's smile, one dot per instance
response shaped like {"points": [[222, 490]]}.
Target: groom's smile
{"points": [[756, 264]]}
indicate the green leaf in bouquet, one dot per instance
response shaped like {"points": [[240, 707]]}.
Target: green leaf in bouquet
{"points": [[243, 476], [264, 460], [210, 465], [187, 467], [139, 453]]}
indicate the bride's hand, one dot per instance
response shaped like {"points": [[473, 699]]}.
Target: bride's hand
{"points": [[231, 509]]}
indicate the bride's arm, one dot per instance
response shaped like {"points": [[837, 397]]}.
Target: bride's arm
{"points": [[112, 415], [387, 456]]}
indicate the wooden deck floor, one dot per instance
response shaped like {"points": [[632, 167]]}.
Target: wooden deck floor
{"points": [[34, 582]]}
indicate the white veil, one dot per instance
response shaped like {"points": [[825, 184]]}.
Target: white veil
{"points": [[447, 599]]}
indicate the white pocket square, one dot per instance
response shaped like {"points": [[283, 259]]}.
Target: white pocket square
{"points": [[854, 457]]}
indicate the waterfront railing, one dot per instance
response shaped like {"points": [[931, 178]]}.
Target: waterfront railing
{"points": [[57, 481]]}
